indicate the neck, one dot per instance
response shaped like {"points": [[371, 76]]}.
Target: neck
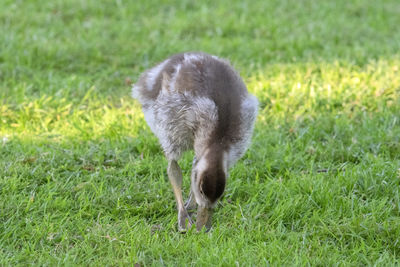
{"points": [[214, 155]]}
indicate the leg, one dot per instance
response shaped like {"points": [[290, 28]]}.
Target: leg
{"points": [[191, 204], [175, 177]]}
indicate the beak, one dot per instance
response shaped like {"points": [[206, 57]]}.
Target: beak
{"points": [[204, 216]]}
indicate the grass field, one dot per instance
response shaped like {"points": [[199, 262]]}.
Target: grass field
{"points": [[83, 180]]}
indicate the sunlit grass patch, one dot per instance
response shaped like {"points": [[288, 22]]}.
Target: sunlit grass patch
{"points": [[93, 117], [288, 91]]}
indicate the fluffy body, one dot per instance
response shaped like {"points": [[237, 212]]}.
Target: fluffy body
{"points": [[183, 118]]}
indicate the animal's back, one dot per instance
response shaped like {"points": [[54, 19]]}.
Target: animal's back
{"points": [[195, 96]]}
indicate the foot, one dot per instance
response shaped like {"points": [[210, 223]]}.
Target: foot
{"points": [[184, 216]]}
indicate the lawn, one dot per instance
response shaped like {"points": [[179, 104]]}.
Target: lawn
{"points": [[83, 180]]}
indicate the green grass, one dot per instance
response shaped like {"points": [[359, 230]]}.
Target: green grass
{"points": [[83, 181]]}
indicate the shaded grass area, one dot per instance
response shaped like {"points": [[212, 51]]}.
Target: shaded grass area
{"points": [[83, 180]]}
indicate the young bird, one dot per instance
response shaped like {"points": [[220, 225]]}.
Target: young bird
{"points": [[198, 101]]}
